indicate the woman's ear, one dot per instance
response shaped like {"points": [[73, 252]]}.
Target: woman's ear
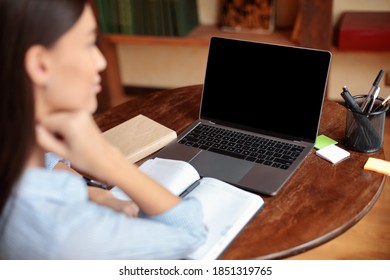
{"points": [[37, 65]]}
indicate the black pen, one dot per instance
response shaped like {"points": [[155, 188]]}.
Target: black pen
{"points": [[373, 89], [349, 101], [95, 183], [189, 189]]}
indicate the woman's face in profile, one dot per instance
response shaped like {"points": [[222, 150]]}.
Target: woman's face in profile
{"points": [[75, 63]]}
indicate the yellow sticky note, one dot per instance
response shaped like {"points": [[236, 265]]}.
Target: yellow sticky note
{"points": [[378, 165]]}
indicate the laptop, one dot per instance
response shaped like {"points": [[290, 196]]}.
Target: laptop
{"points": [[260, 112]]}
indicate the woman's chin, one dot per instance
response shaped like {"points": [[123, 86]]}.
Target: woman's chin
{"points": [[93, 106]]}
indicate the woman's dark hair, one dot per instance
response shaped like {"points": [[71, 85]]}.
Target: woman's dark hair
{"points": [[24, 23]]}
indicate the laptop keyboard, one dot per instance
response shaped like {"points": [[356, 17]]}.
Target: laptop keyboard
{"points": [[239, 145]]}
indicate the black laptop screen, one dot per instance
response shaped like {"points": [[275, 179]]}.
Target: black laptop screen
{"points": [[265, 88]]}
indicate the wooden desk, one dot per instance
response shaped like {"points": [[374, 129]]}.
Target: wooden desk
{"points": [[317, 204]]}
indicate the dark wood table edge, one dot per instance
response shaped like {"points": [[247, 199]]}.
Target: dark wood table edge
{"points": [[327, 237]]}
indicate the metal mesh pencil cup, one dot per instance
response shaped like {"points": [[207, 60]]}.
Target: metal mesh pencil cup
{"points": [[364, 131]]}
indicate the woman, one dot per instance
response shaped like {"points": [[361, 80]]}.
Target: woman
{"points": [[49, 79]]}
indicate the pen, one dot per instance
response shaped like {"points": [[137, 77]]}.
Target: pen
{"points": [[372, 102], [351, 103], [382, 105], [95, 183], [371, 93], [189, 189]]}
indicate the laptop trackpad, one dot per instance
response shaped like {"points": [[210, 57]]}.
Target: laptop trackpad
{"points": [[225, 168]]}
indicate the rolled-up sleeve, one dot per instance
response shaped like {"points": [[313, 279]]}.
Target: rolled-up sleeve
{"points": [[51, 161]]}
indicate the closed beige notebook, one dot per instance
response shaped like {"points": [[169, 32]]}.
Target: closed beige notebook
{"points": [[139, 137]]}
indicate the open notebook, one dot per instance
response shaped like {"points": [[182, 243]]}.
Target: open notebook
{"points": [[227, 209]]}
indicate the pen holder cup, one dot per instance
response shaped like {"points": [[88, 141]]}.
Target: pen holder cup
{"points": [[364, 131]]}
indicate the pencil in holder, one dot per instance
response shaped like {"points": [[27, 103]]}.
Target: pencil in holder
{"points": [[364, 130]]}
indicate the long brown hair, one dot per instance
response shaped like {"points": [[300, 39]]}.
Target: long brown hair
{"points": [[24, 23]]}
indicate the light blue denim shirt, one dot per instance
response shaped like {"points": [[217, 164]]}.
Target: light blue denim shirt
{"points": [[49, 216]]}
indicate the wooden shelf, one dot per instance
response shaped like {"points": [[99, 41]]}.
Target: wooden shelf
{"points": [[200, 36], [314, 31]]}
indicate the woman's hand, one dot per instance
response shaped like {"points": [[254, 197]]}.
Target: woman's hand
{"points": [[106, 198], [74, 136]]}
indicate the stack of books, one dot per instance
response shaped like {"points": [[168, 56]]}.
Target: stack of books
{"points": [[147, 17]]}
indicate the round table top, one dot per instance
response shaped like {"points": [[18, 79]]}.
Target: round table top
{"points": [[318, 203]]}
